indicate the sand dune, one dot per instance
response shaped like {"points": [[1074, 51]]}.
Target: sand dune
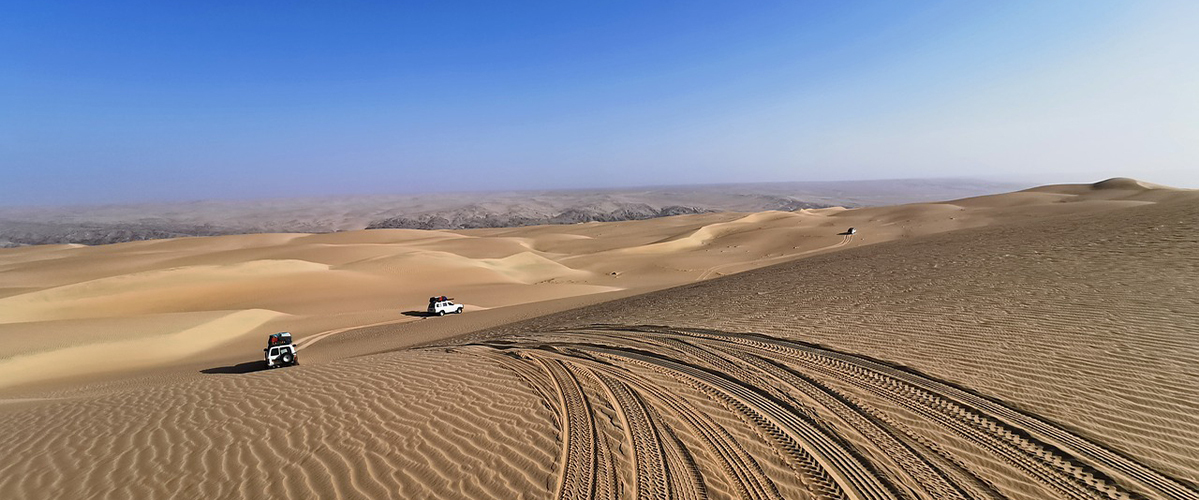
{"points": [[1037, 344], [98, 356], [145, 292]]}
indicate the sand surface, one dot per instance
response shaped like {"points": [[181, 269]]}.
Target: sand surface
{"points": [[1039, 344]]}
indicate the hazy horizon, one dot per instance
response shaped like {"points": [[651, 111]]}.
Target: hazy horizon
{"points": [[127, 102], [999, 185]]}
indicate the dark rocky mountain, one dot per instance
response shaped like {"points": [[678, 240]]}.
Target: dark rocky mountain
{"points": [[97, 225], [459, 220]]}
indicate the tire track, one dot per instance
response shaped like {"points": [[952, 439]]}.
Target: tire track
{"points": [[1027, 456], [796, 420], [576, 477], [687, 480], [317, 337], [799, 439], [737, 466], [1007, 437], [651, 477], [907, 460]]}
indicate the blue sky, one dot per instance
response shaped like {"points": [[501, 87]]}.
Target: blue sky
{"points": [[110, 102]]}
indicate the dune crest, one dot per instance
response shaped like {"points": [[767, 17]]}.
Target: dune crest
{"points": [[1127, 183], [529, 268]]}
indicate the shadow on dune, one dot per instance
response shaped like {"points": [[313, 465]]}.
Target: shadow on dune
{"points": [[419, 314], [247, 367]]}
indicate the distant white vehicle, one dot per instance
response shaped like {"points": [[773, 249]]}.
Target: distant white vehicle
{"points": [[852, 231], [280, 351], [442, 306]]}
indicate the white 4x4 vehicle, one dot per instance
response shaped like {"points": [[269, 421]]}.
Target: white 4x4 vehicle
{"points": [[280, 351], [442, 306]]}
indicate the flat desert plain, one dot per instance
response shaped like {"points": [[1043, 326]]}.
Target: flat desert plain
{"points": [[1036, 344]]}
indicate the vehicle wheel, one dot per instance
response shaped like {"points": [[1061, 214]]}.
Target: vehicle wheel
{"points": [[459, 311], [441, 313], [287, 359]]}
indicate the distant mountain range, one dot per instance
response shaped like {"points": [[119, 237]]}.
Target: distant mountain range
{"points": [[96, 225]]}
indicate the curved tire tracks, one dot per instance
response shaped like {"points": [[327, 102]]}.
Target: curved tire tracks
{"points": [[796, 420]]}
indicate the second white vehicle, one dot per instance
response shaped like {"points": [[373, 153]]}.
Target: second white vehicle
{"points": [[442, 306]]}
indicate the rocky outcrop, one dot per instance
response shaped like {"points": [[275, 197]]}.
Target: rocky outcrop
{"points": [[14, 233], [101, 224], [469, 218]]}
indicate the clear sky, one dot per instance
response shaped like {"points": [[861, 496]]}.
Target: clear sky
{"points": [[137, 101]]}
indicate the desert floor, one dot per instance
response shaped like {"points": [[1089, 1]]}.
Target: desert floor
{"points": [[1037, 344]]}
